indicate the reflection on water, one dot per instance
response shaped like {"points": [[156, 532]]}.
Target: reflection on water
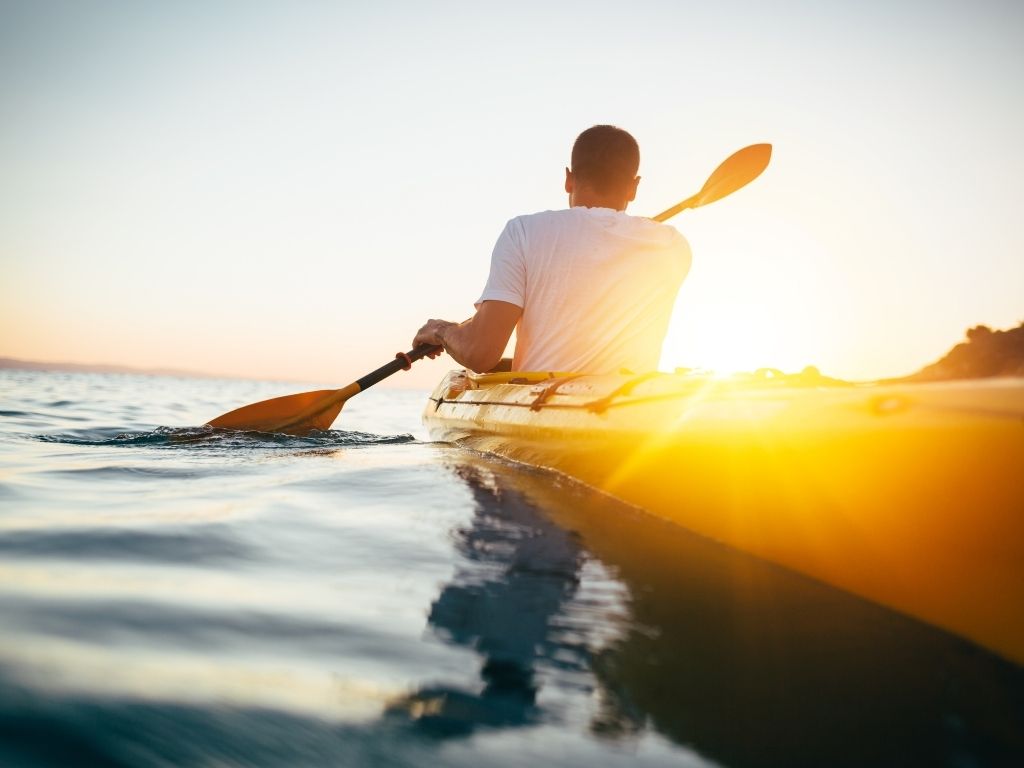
{"points": [[748, 664], [519, 570]]}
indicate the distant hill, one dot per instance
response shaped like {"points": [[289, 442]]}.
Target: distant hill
{"points": [[34, 365], [986, 353]]}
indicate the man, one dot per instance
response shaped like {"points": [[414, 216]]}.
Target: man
{"points": [[590, 288]]}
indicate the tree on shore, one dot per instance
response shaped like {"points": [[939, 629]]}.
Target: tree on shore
{"points": [[986, 353]]}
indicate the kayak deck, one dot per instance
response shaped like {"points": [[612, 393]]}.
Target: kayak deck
{"points": [[909, 495]]}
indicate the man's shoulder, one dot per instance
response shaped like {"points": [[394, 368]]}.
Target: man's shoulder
{"points": [[614, 224], [530, 226], [574, 217], [566, 215], [541, 218]]}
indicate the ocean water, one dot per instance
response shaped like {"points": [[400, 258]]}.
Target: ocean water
{"points": [[173, 596]]}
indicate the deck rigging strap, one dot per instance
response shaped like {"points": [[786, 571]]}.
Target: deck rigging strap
{"points": [[602, 403], [545, 391]]}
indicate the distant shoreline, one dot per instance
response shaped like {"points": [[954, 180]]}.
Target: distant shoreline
{"points": [[17, 364], [13, 363]]}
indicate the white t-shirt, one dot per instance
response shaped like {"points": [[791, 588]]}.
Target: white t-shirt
{"points": [[596, 287]]}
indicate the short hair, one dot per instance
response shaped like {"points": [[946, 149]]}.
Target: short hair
{"points": [[605, 158]]}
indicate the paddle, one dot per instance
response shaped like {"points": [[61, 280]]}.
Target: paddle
{"points": [[735, 172], [298, 414]]}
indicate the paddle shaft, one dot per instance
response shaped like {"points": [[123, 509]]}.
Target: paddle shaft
{"points": [[678, 208], [396, 365]]}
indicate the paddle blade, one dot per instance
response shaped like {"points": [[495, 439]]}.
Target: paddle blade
{"points": [[291, 414], [736, 171]]}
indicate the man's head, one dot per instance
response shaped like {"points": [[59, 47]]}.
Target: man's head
{"points": [[605, 160]]}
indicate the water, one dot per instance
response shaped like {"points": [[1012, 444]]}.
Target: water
{"points": [[171, 596]]}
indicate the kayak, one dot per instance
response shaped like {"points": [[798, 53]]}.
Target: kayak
{"points": [[908, 495]]}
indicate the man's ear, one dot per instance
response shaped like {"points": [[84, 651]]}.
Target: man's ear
{"points": [[568, 181], [632, 189]]}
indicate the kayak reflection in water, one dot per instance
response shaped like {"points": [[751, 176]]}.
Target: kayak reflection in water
{"points": [[589, 613], [520, 571]]}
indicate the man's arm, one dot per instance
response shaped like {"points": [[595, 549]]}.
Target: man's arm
{"points": [[478, 342]]}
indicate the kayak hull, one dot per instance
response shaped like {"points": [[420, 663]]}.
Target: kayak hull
{"points": [[911, 496]]}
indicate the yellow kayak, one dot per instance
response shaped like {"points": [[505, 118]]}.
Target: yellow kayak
{"points": [[910, 495]]}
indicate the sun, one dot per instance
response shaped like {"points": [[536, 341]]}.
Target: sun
{"points": [[718, 349], [768, 294], [727, 338]]}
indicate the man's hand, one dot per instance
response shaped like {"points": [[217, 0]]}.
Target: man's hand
{"points": [[432, 333], [478, 342]]}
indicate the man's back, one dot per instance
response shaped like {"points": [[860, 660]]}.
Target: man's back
{"points": [[587, 289], [596, 287]]}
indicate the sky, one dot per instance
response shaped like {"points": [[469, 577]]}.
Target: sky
{"points": [[289, 190]]}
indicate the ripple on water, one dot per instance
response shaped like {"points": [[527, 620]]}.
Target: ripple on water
{"points": [[115, 472], [208, 437], [102, 621], [205, 547]]}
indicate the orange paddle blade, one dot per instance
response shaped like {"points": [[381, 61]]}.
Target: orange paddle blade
{"points": [[735, 172], [291, 414]]}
